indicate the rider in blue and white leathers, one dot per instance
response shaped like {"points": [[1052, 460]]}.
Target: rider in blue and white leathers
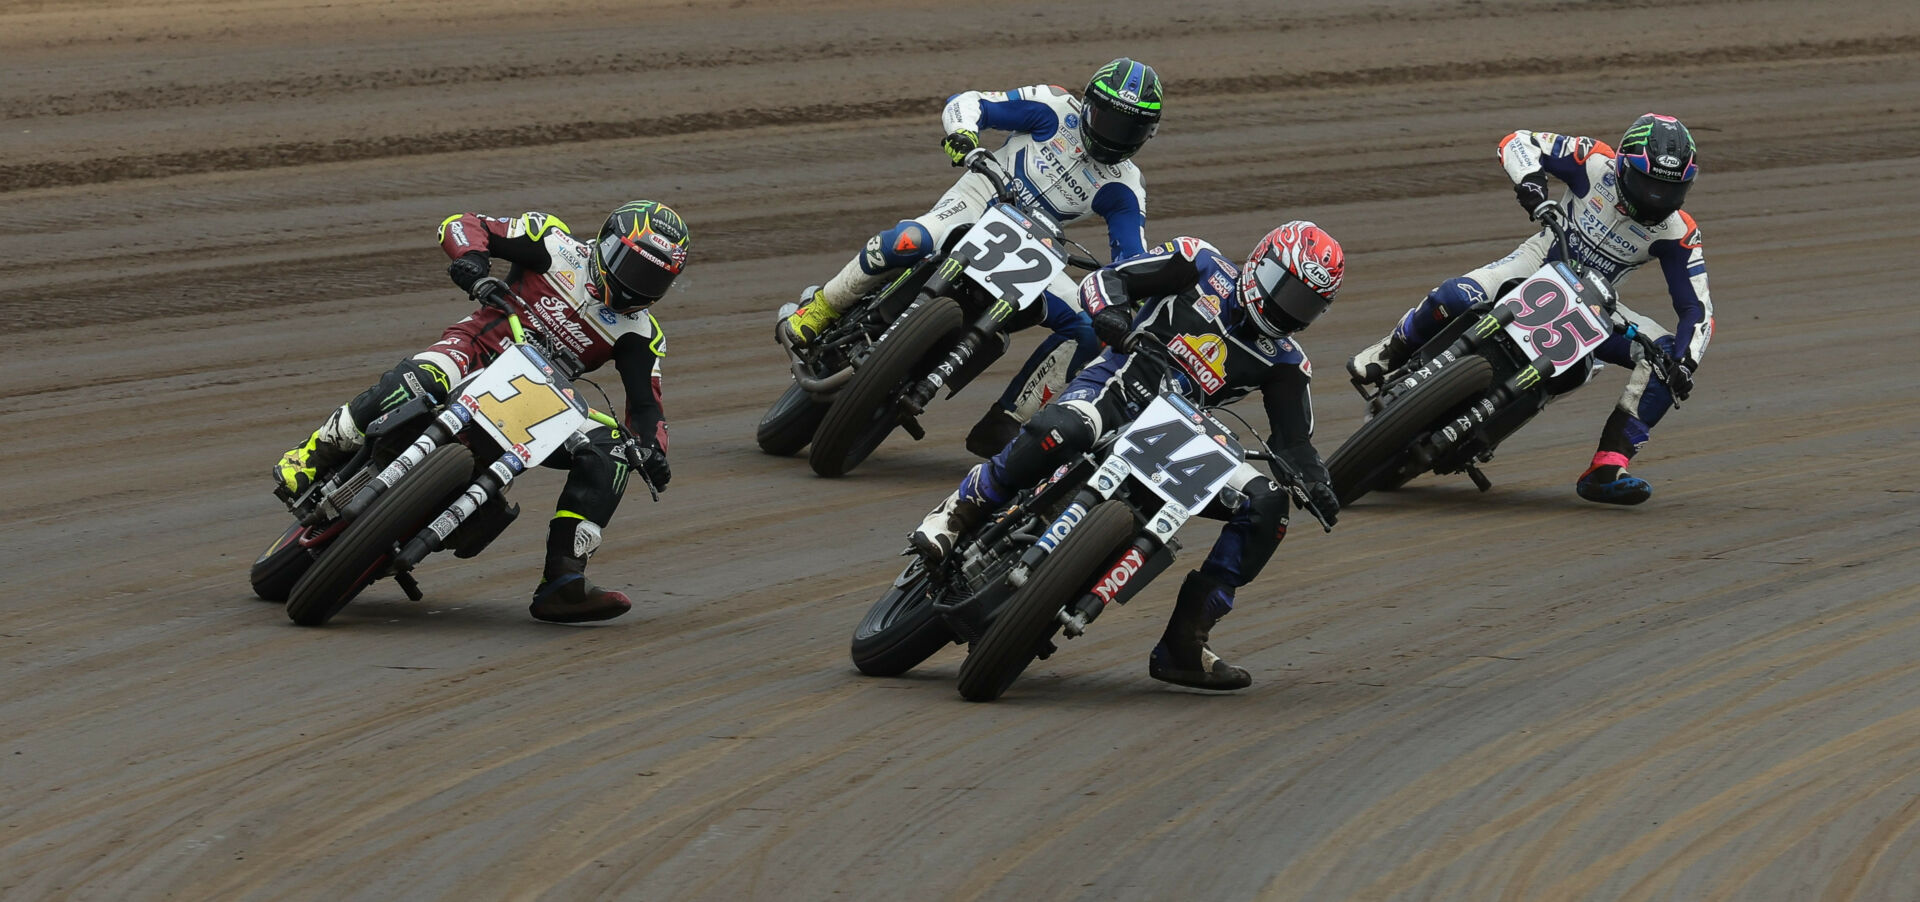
{"points": [[1622, 207], [1061, 161]]}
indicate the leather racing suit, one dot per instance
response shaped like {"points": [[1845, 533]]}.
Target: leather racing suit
{"points": [[1609, 241], [1185, 297], [1051, 168]]}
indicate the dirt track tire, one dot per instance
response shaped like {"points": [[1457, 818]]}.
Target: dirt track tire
{"points": [[900, 631], [275, 572], [363, 548], [1028, 618], [1367, 458], [789, 424], [860, 418]]}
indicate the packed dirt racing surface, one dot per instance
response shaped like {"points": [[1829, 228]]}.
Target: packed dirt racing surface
{"points": [[219, 224]]}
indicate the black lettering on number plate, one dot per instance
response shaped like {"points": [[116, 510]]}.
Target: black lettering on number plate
{"points": [[1001, 240], [1151, 450], [1007, 282]]}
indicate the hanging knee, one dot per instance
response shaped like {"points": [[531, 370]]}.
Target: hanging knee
{"points": [[597, 477], [1445, 301], [898, 247], [412, 378]]}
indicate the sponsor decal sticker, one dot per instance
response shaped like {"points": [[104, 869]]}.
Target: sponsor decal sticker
{"points": [[1207, 305], [1072, 120], [1204, 357]]}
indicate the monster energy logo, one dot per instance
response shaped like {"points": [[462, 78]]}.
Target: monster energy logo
{"points": [[950, 269], [1528, 378], [1486, 327], [619, 477], [1000, 310], [1636, 137]]}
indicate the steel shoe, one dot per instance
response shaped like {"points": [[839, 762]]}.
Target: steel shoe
{"points": [[1622, 488], [993, 432], [1182, 657], [565, 596]]}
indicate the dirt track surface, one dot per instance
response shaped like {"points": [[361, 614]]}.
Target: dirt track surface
{"points": [[219, 222]]}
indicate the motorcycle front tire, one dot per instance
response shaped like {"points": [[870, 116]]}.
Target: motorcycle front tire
{"points": [[364, 548], [862, 416]]}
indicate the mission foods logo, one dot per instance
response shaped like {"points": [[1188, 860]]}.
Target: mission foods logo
{"points": [[1204, 357]]}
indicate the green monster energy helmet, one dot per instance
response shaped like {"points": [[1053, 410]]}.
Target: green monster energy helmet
{"points": [[1121, 110], [1655, 167], [640, 250]]}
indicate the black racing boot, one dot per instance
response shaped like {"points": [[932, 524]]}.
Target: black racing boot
{"points": [[993, 432], [1182, 657]]}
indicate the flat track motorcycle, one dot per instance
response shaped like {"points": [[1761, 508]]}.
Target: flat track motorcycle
{"points": [[938, 325], [414, 487], [1095, 533], [1487, 373]]}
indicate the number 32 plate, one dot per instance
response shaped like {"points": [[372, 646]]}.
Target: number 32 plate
{"points": [[1005, 257]]}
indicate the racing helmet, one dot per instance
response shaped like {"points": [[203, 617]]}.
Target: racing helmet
{"points": [[1290, 278], [640, 250], [1120, 110], [1655, 167]]}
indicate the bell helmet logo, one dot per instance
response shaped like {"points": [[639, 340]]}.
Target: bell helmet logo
{"points": [[1119, 575]]}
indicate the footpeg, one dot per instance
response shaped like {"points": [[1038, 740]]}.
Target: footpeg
{"points": [[408, 585], [913, 427], [1479, 479]]}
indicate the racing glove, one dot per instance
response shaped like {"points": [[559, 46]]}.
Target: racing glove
{"points": [[488, 291], [1531, 191], [959, 144], [1325, 500], [1112, 324], [1679, 376], [469, 268], [653, 462]]}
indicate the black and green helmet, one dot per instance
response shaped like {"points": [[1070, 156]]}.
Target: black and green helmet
{"points": [[640, 250], [1655, 166], [1121, 110]]}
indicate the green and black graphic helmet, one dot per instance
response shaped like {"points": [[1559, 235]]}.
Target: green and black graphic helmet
{"points": [[640, 250], [1655, 167], [1121, 110]]}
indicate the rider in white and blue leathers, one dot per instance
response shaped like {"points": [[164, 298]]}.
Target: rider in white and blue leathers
{"points": [[1069, 156], [1623, 207]]}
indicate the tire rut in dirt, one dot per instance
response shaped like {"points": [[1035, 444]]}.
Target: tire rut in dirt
{"points": [[363, 548], [900, 631], [1010, 643], [855, 425], [1381, 443]]}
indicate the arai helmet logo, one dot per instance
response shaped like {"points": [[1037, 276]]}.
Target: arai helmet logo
{"points": [[1312, 273], [1669, 161]]}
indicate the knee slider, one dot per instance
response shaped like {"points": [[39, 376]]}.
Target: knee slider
{"points": [[1063, 425], [1268, 507], [903, 245]]}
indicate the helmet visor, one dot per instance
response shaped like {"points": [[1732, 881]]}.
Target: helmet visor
{"points": [[1650, 199], [634, 272], [1115, 135], [1290, 304]]}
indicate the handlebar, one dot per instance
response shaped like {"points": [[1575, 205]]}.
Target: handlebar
{"points": [[1555, 220]]}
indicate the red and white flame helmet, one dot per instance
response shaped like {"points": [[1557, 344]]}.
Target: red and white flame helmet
{"points": [[1290, 278]]}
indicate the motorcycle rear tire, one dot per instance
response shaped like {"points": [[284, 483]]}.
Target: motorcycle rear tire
{"points": [[861, 417], [1373, 455], [1028, 619], [901, 630], [275, 572], [789, 424], [364, 548]]}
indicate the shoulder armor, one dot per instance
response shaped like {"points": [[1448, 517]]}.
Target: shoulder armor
{"points": [[536, 225]]}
